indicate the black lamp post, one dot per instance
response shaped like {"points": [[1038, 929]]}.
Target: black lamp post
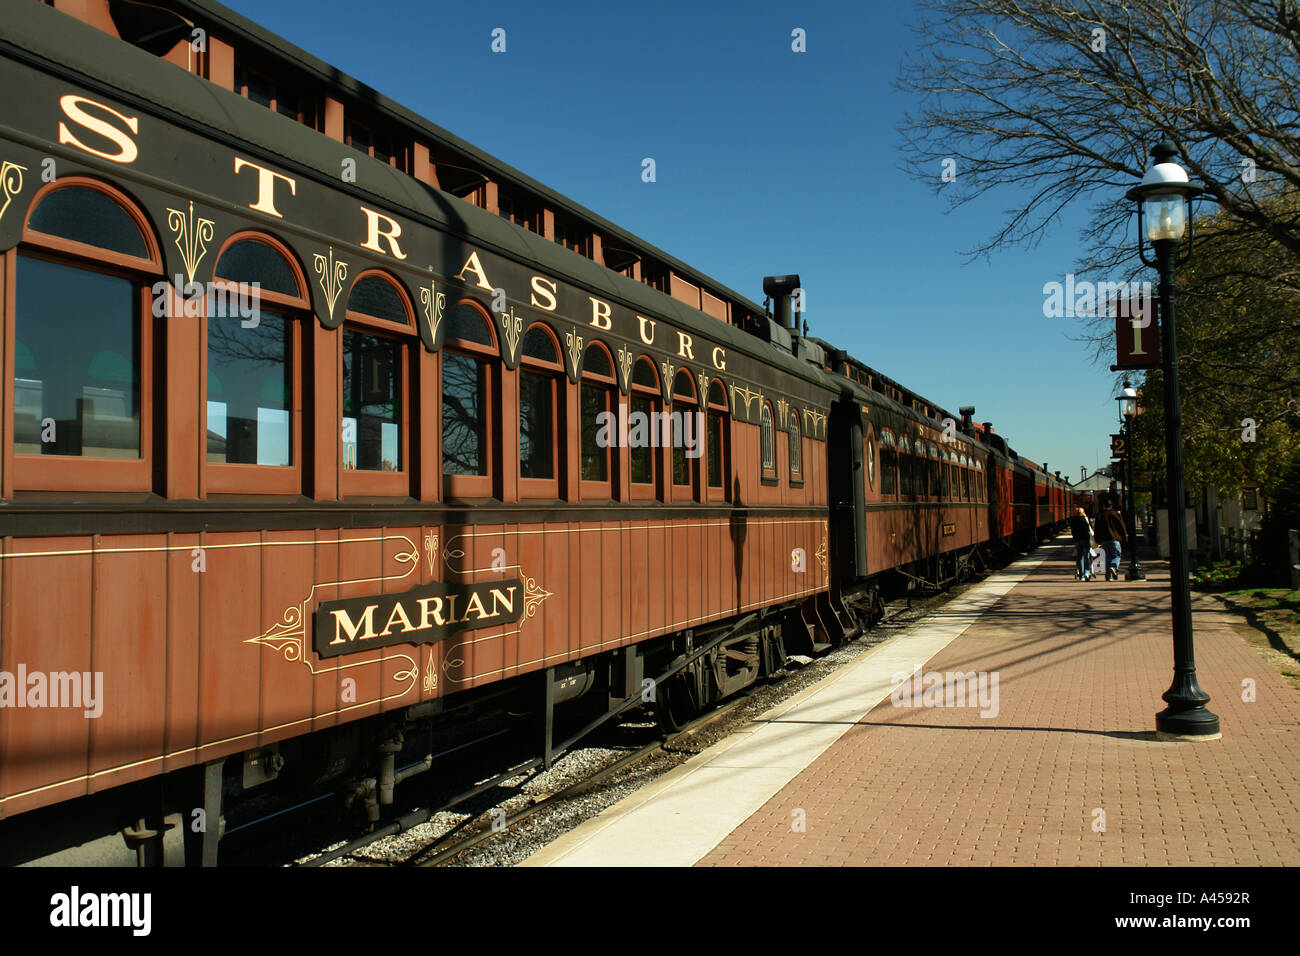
{"points": [[1127, 410], [1164, 212]]}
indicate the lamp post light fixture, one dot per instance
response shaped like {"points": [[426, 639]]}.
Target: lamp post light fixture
{"points": [[1164, 214], [1128, 405]]}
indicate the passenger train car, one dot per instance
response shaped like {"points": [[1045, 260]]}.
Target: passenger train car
{"points": [[297, 467]]}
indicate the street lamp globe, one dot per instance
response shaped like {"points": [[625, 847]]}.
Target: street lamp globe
{"points": [[1164, 197], [1128, 403]]}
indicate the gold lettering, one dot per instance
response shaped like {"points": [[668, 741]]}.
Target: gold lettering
{"points": [[398, 614], [719, 363], [266, 186], [538, 289], [374, 233], [436, 613], [475, 604], [599, 313], [472, 264], [127, 150], [499, 601], [641, 321], [343, 622], [685, 346]]}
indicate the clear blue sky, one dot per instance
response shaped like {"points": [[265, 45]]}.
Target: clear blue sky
{"points": [[768, 162]]}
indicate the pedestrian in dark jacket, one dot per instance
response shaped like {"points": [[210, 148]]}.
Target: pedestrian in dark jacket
{"points": [[1110, 535], [1081, 532]]}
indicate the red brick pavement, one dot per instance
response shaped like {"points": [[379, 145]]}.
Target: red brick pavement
{"points": [[1081, 669]]}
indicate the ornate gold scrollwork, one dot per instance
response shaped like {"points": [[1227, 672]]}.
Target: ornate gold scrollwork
{"points": [[11, 180], [191, 237], [433, 302], [512, 328], [573, 341], [332, 275]]}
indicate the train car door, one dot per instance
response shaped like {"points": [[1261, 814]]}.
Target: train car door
{"points": [[847, 492]]}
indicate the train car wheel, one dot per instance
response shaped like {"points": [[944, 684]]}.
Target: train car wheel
{"points": [[676, 704]]}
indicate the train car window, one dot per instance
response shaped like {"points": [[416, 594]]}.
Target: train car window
{"points": [[905, 467], [644, 428], [76, 370], [379, 298], [718, 438], [82, 389], [466, 324], [464, 404], [871, 464], [598, 397], [375, 369], [687, 433], [888, 465], [251, 260], [539, 431], [767, 443], [796, 448], [250, 389], [469, 374], [86, 215], [372, 402], [252, 370]]}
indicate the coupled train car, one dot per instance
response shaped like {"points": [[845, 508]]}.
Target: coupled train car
{"points": [[297, 470]]}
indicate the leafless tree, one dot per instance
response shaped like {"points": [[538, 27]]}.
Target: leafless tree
{"points": [[1066, 97]]}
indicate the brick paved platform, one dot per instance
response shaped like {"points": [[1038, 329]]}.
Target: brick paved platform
{"points": [[1081, 666]]}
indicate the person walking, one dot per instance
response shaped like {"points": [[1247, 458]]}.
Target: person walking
{"points": [[1081, 532], [1111, 535]]}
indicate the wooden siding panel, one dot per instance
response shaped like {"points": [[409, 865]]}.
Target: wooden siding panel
{"points": [[288, 573], [231, 598], [129, 643], [184, 613], [46, 627]]}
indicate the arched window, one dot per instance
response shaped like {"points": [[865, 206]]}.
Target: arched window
{"points": [[469, 398], [85, 278], [980, 494], [645, 432], [936, 472], [377, 337], [888, 464], [687, 435], [599, 416], [254, 371], [871, 463], [796, 448], [719, 443], [906, 467], [540, 377], [965, 478], [767, 441]]}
